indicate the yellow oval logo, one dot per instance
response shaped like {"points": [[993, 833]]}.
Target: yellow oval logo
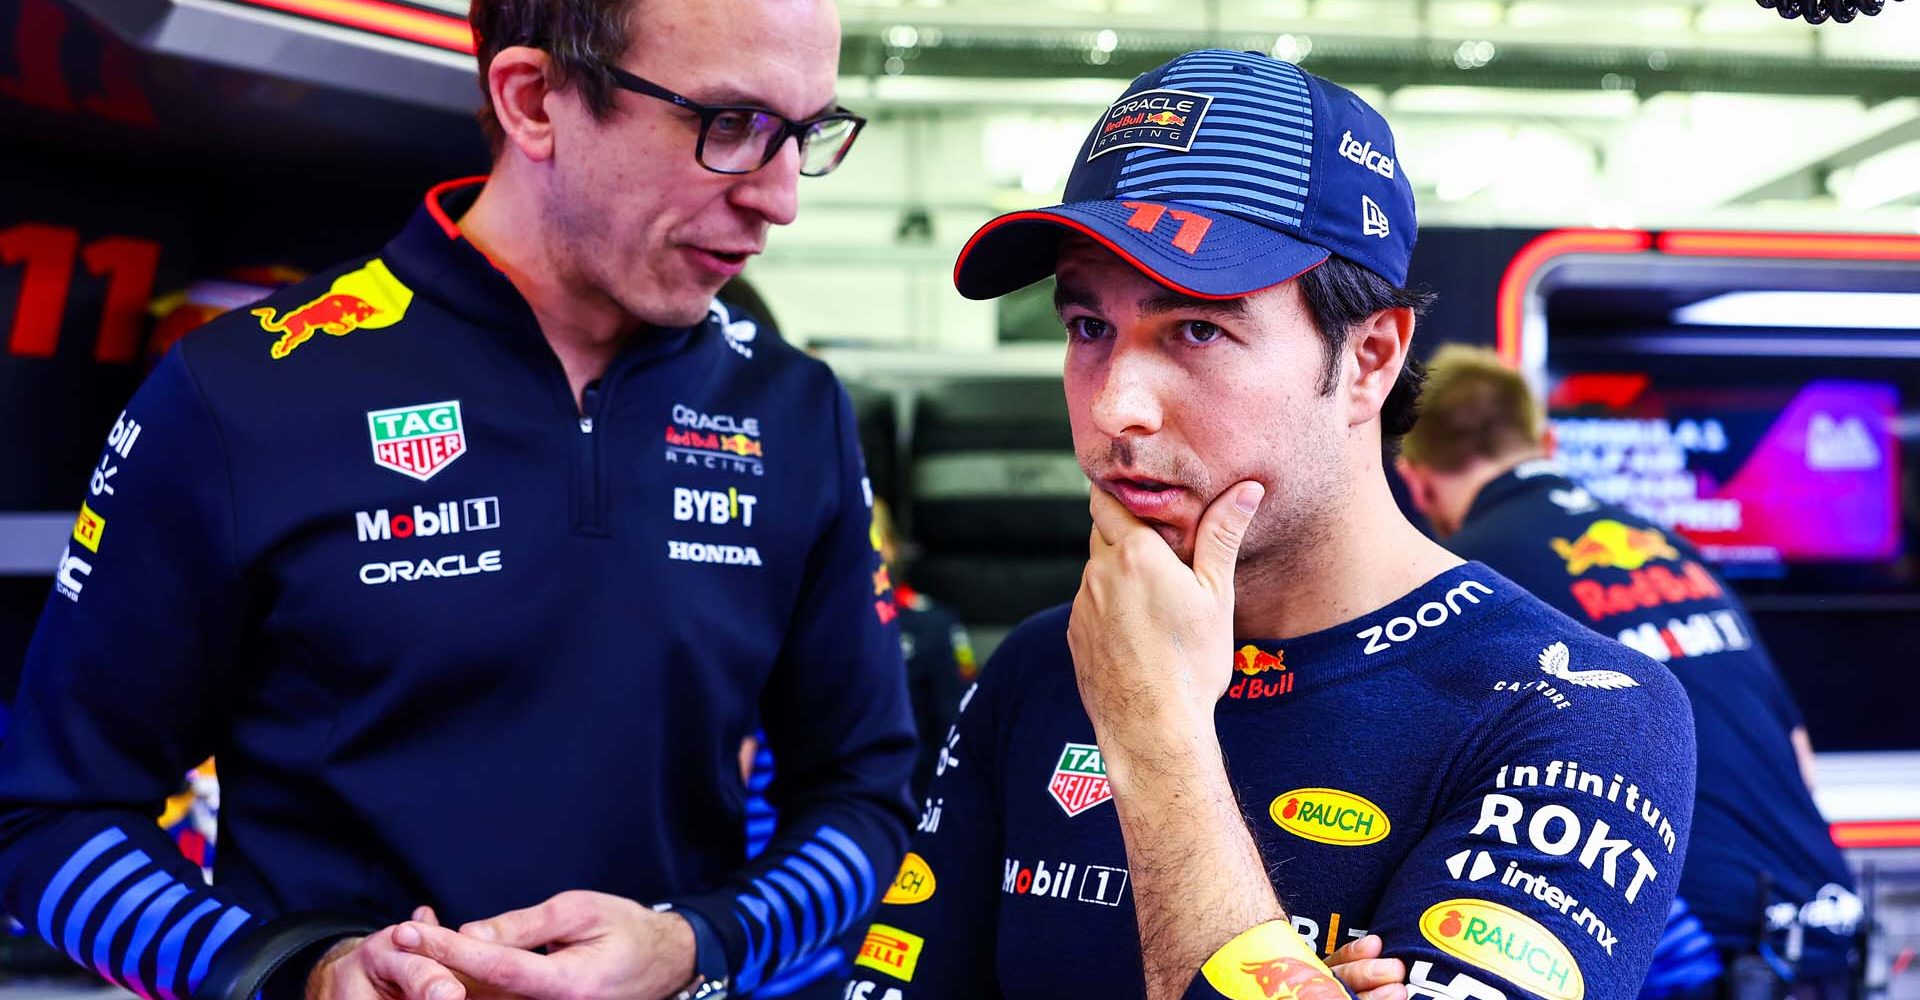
{"points": [[914, 884], [1330, 816], [1505, 943]]}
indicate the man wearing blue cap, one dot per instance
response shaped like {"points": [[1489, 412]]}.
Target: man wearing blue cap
{"points": [[1277, 717]]}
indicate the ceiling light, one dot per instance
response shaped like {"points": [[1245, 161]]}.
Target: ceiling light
{"points": [[1826, 310], [1292, 48]]}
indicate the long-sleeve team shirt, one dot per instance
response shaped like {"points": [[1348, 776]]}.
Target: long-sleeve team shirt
{"points": [[1500, 793], [1762, 854], [455, 638]]}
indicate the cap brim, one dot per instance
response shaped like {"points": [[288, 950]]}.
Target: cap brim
{"points": [[1193, 251]]}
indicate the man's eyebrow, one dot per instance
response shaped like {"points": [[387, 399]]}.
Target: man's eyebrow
{"points": [[737, 96], [1068, 294], [1172, 302]]}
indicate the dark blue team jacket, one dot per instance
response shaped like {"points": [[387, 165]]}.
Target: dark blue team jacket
{"points": [[453, 641], [1620, 574], [1499, 793]]}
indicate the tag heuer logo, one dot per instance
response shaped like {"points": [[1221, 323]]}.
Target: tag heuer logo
{"points": [[1080, 779], [417, 440]]}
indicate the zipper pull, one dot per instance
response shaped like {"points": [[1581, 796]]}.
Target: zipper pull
{"points": [[589, 404]]}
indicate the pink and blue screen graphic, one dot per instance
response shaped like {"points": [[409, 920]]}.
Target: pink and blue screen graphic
{"points": [[1809, 473], [1823, 484]]}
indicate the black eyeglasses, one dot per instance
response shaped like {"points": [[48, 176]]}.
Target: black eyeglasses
{"points": [[740, 138]]}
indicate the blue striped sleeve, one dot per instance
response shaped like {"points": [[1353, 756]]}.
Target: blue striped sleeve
{"points": [[88, 909]]}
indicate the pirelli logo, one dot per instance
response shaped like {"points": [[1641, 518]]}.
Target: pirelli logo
{"points": [[892, 951]]}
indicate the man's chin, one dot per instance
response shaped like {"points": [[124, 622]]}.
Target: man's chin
{"points": [[1179, 539], [691, 311]]}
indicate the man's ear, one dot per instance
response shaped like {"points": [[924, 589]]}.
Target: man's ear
{"points": [[1379, 345], [520, 81]]}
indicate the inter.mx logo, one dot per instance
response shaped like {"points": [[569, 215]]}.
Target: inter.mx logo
{"points": [[448, 517], [418, 440]]}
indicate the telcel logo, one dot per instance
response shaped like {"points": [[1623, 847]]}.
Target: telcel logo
{"points": [[449, 517], [1364, 154]]}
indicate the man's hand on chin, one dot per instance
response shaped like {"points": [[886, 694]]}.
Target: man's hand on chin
{"points": [[1152, 637]]}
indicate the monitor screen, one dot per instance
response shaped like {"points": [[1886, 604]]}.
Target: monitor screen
{"points": [[1776, 475]]}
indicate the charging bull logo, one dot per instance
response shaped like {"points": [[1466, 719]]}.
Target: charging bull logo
{"points": [[370, 298], [1608, 544], [740, 444], [1166, 118], [1249, 662], [1291, 979]]}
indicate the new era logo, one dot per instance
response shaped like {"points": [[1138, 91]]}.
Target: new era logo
{"points": [[1373, 221]]}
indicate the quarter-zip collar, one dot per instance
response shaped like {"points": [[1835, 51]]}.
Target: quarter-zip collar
{"points": [[433, 257]]}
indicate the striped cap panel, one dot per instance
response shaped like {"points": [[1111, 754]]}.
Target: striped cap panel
{"points": [[1253, 150]]}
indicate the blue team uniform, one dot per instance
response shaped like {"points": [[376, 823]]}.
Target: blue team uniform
{"points": [[1621, 575], [455, 641], [1501, 794]]}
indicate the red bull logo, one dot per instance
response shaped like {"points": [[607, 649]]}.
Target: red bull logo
{"points": [[1608, 544], [370, 298], [740, 444], [1291, 979], [1652, 587], [1251, 663], [1273, 960], [1166, 119]]}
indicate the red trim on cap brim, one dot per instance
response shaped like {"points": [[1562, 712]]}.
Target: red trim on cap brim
{"points": [[1119, 251]]}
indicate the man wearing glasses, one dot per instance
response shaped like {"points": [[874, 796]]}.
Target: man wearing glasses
{"points": [[474, 560]]}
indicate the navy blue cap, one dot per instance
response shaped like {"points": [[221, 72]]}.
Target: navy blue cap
{"points": [[1218, 174]]}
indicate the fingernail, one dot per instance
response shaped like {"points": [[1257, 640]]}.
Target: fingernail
{"points": [[407, 936], [1248, 498], [441, 991], [482, 931]]}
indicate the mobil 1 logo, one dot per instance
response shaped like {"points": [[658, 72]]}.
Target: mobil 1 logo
{"points": [[448, 517], [1099, 884]]}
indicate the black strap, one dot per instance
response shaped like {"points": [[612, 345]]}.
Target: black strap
{"points": [[292, 943]]}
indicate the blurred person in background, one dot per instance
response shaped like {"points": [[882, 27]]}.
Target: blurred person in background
{"points": [[938, 652], [1763, 877]]}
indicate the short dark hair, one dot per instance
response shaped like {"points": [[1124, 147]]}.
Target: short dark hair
{"points": [[584, 37], [1341, 294]]}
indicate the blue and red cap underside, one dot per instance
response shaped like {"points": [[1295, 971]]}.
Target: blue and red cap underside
{"points": [[1193, 251]]}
